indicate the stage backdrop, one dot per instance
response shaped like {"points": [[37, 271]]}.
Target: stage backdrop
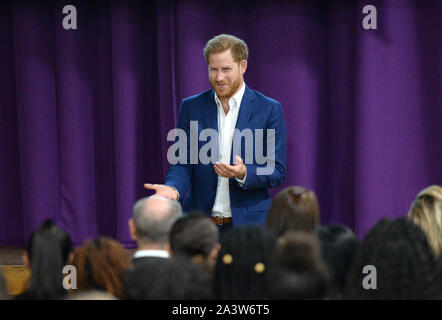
{"points": [[85, 113]]}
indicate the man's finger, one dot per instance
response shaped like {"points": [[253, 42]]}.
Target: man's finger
{"points": [[151, 186], [221, 168], [228, 168], [220, 171]]}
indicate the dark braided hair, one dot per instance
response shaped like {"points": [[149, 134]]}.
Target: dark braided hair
{"points": [[242, 263]]}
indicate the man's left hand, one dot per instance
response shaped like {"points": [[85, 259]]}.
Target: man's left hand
{"points": [[238, 170]]}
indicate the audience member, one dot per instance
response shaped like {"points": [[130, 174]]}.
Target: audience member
{"points": [[403, 264], [100, 265], [294, 208], [195, 237], [167, 279], [49, 250], [250, 263], [242, 263], [426, 212], [338, 246], [297, 270], [150, 225]]}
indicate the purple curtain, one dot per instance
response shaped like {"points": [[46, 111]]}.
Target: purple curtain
{"points": [[85, 113]]}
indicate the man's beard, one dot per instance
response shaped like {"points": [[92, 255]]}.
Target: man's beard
{"points": [[231, 89]]}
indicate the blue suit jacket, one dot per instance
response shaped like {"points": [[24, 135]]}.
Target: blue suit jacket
{"points": [[250, 202]]}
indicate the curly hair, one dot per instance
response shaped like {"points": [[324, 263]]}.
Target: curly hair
{"points": [[406, 266], [100, 265]]}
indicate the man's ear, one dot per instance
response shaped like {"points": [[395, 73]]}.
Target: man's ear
{"points": [[25, 259], [213, 254], [132, 229], [243, 66]]}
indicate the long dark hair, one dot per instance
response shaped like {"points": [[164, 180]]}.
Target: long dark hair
{"points": [[48, 251]]}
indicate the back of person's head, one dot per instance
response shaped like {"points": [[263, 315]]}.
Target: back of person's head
{"points": [[48, 252], [4, 295], [293, 208], [338, 246], [100, 265], [297, 270], [153, 218], [167, 279], [91, 295], [242, 263], [426, 211], [394, 261], [194, 235]]}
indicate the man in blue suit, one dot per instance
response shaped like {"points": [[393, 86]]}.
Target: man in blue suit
{"points": [[230, 190]]}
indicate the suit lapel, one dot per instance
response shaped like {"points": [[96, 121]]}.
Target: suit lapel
{"points": [[210, 112], [245, 112], [211, 120]]}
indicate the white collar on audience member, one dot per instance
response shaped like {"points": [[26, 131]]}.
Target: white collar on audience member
{"points": [[151, 253]]}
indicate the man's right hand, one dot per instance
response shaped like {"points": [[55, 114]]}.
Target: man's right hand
{"points": [[163, 190]]}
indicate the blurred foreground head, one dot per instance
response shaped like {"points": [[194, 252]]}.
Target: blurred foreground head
{"points": [[426, 212], [294, 208], [338, 247], [242, 263], [152, 220], [195, 237], [100, 265], [167, 279], [48, 251], [402, 263], [297, 270], [92, 295]]}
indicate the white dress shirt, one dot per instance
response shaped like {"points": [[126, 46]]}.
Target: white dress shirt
{"points": [[151, 253], [226, 127]]}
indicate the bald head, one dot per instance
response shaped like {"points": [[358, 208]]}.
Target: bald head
{"points": [[153, 218]]}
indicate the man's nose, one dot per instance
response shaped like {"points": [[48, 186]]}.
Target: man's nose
{"points": [[219, 76]]}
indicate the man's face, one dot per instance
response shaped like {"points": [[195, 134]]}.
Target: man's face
{"points": [[225, 75]]}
